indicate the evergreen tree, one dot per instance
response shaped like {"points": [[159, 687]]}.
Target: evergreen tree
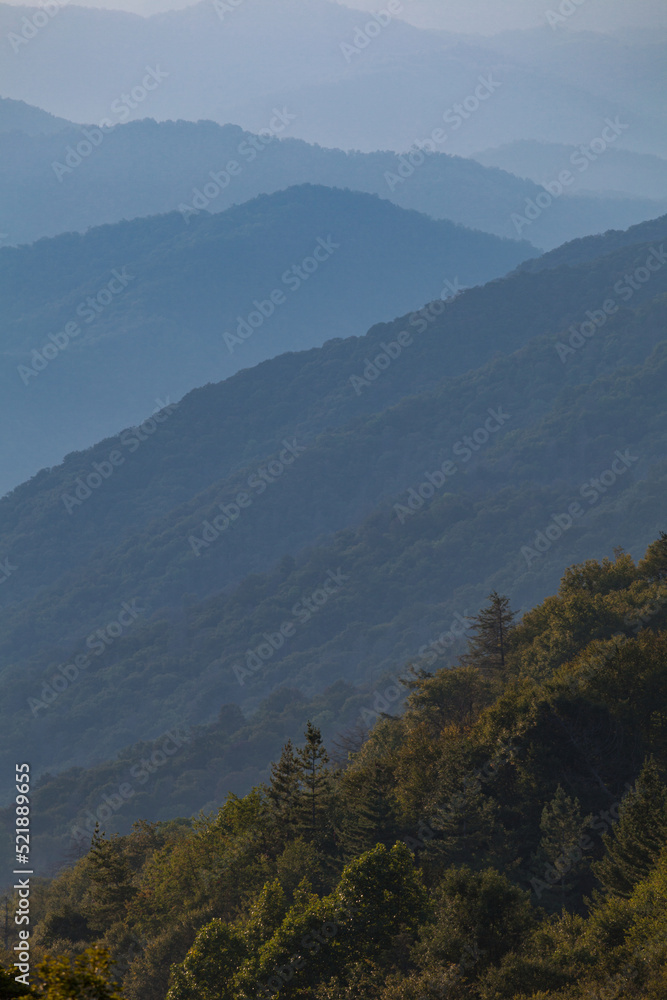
{"points": [[284, 791], [560, 857], [371, 813], [314, 776], [487, 648], [466, 824], [635, 843], [111, 877], [653, 566]]}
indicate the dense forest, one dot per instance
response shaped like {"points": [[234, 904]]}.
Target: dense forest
{"points": [[356, 502], [496, 830]]}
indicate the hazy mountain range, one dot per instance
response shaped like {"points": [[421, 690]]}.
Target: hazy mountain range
{"points": [[613, 170], [485, 442], [321, 60], [82, 177], [143, 311]]}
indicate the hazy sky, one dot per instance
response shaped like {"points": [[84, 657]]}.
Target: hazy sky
{"points": [[476, 16]]}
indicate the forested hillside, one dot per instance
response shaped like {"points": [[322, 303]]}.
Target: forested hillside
{"points": [[142, 311], [504, 835], [333, 465], [408, 511]]}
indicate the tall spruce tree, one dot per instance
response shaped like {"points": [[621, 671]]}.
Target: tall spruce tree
{"points": [[111, 879], [314, 780], [488, 646], [635, 842], [285, 792], [370, 810]]}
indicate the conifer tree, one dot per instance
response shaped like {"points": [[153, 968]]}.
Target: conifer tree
{"points": [[487, 648], [284, 791], [653, 566], [371, 813], [111, 877], [634, 845], [562, 827], [312, 762], [467, 825]]}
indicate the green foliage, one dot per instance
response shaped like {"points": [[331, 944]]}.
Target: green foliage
{"points": [[653, 566], [450, 697], [371, 810], [415, 880], [313, 777], [9, 988], [208, 970], [479, 917], [562, 827], [87, 977], [284, 791], [632, 849], [492, 630]]}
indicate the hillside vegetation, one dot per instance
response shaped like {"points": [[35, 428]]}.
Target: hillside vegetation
{"points": [[408, 512], [504, 836]]}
